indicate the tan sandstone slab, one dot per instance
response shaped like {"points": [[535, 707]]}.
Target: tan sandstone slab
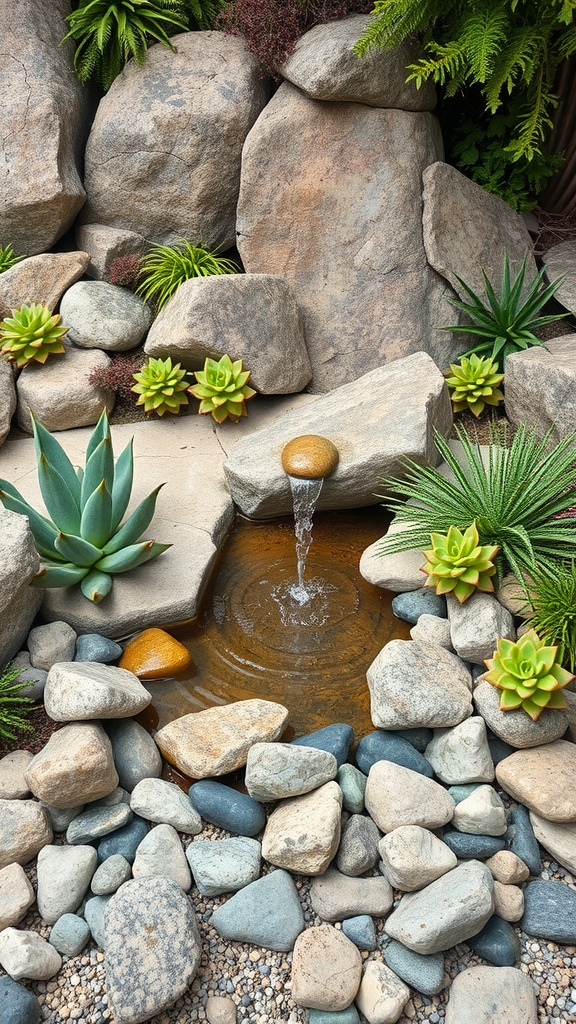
{"points": [[543, 778], [217, 741], [76, 766], [43, 278], [382, 995], [303, 834], [492, 995], [326, 969]]}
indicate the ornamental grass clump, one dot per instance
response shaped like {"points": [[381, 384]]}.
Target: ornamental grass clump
{"points": [[511, 491], [161, 386], [551, 597], [473, 383], [7, 258], [31, 334], [528, 674], [457, 564], [14, 707], [222, 389], [166, 267], [83, 541]]}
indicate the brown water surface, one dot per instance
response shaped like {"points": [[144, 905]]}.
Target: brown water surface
{"points": [[252, 639]]}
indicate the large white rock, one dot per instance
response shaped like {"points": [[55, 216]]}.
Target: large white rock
{"points": [[64, 875], [481, 814], [101, 315], [303, 834], [26, 954], [382, 995], [76, 766], [516, 727], [414, 684], [80, 691], [412, 857], [398, 796], [160, 853], [164, 803], [278, 770], [461, 755]]}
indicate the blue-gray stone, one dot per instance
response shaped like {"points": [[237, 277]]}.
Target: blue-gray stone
{"points": [[35, 678], [60, 817], [336, 739], [111, 874], [521, 840], [125, 840], [388, 746], [361, 931], [550, 911], [419, 737], [135, 753], [265, 913], [95, 822], [497, 943], [347, 1016], [468, 846], [423, 971], [499, 749], [460, 793], [94, 914], [226, 807], [224, 865], [414, 603], [352, 782], [69, 934], [17, 1004], [94, 647]]}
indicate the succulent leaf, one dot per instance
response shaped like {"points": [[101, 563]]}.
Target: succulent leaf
{"points": [[59, 500], [59, 576], [96, 585], [130, 557], [101, 430], [457, 563], [122, 487], [97, 516], [46, 443], [528, 675], [76, 550], [99, 468], [135, 525]]}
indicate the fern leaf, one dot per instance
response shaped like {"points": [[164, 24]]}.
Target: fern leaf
{"points": [[483, 33]]}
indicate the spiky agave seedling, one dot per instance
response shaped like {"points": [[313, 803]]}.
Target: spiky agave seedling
{"points": [[458, 564], [32, 333], [161, 387], [528, 675], [83, 542], [222, 389], [474, 384]]}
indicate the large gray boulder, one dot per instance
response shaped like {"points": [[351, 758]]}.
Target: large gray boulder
{"points": [[19, 563], [101, 315], [163, 157], [340, 217], [42, 278], [541, 387], [48, 112], [373, 421], [253, 317], [325, 67]]}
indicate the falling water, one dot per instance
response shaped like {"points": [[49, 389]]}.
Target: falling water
{"points": [[305, 494]]}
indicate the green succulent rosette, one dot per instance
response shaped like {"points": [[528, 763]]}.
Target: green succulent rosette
{"points": [[528, 675], [222, 389], [457, 564], [474, 384], [32, 333], [161, 386]]}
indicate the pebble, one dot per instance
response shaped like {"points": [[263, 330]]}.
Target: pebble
{"points": [[398, 796], [412, 857], [69, 934], [25, 954], [481, 813], [352, 782], [550, 911], [389, 746], [382, 995], [266, 913], [94, 822], [497, 943], [136, 756], [125, 840], [335, 896], [224, 865], [226, 807], [326, 969], [161, 854], [424, 972], [414, 603], [461, 755], [358, 850], [18, 1005], [336, 739], [521, 839], [361, 931], [110, 875], [154, 654], [51, 643], [164, 803], [95, 647], [94, 915], [508, 901], [279, 770], [474, 847], [507, 868]]}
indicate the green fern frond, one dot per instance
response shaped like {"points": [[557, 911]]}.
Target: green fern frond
{"points": [[447, 62], [533, 124], [482, 37], [394, 20]]}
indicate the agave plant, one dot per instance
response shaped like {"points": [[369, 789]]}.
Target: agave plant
{"points": [[84, 542], [222, 389], [458, 564], [166, 267], [551, 598], [161, 386], [14, 707], [31, 334], [7, 258], [528, 674], [473, 384], [512, 492], [506, 324]]}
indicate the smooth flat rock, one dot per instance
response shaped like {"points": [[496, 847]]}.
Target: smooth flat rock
{"points": [[476, 626], [161, 854], [155, 654], [164, 803], [413, 684], [265, 913], [278, 770], [349, 417], [543, 779], [78, 691], [224, 865], [326, 969], [149, 923], [227, 807], [516, 727], [448, 911], [419, 600], [389, 746], [59, 393], [303, 833], [136, 756], [550, 911], [397, 796], [336, 896], [492, 995], [94, 822], [25, 954], [423, 972], [64, 876], [24, 829], [412, 857], [16, 895], [95, 647], [540, 387], [101, 315], [13, 767], [469, 846], [559, 840], [217, 741], [75, 765], [382, 995]]}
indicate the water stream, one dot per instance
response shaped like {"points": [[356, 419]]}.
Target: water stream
{"points": [[305, 494]]}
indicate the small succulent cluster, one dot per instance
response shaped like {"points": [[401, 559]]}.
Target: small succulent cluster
{"points": [[84, 542], [528, 674], [457, 564], [222, 389], [161, 386], [31, 334], [474, 384], [7, 258]]}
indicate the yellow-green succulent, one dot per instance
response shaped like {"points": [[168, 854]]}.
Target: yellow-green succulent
{"points": [[474, 384], [222, 389], [31, 334], [528, 675], [161, 386], [457, 564]]}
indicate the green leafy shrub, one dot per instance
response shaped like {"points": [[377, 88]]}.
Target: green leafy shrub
{"points": [[14, 708], [457, 564], [7, 258], [83, 542], [31, 334], [166, 267], [161, 386], [528, 675], [473, 384], [222, 389], [507, 323], [511, 492], [551, 595]]}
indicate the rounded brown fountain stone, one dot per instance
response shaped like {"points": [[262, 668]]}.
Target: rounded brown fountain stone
{"points": [[309, 456]]}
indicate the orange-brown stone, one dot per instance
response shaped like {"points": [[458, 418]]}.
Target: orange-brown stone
{"points": [[309, 456], [154, 654]]}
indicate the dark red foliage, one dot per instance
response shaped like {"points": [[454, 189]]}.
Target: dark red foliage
{"points": [[124, 271], [271, 28], [118, 376]]}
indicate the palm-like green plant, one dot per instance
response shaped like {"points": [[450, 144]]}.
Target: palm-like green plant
{"points": [[551, 596], [7, 258], [507, 323], [161, 386], [166, 267], [511, 492], [13, 706], [84, 542]]}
